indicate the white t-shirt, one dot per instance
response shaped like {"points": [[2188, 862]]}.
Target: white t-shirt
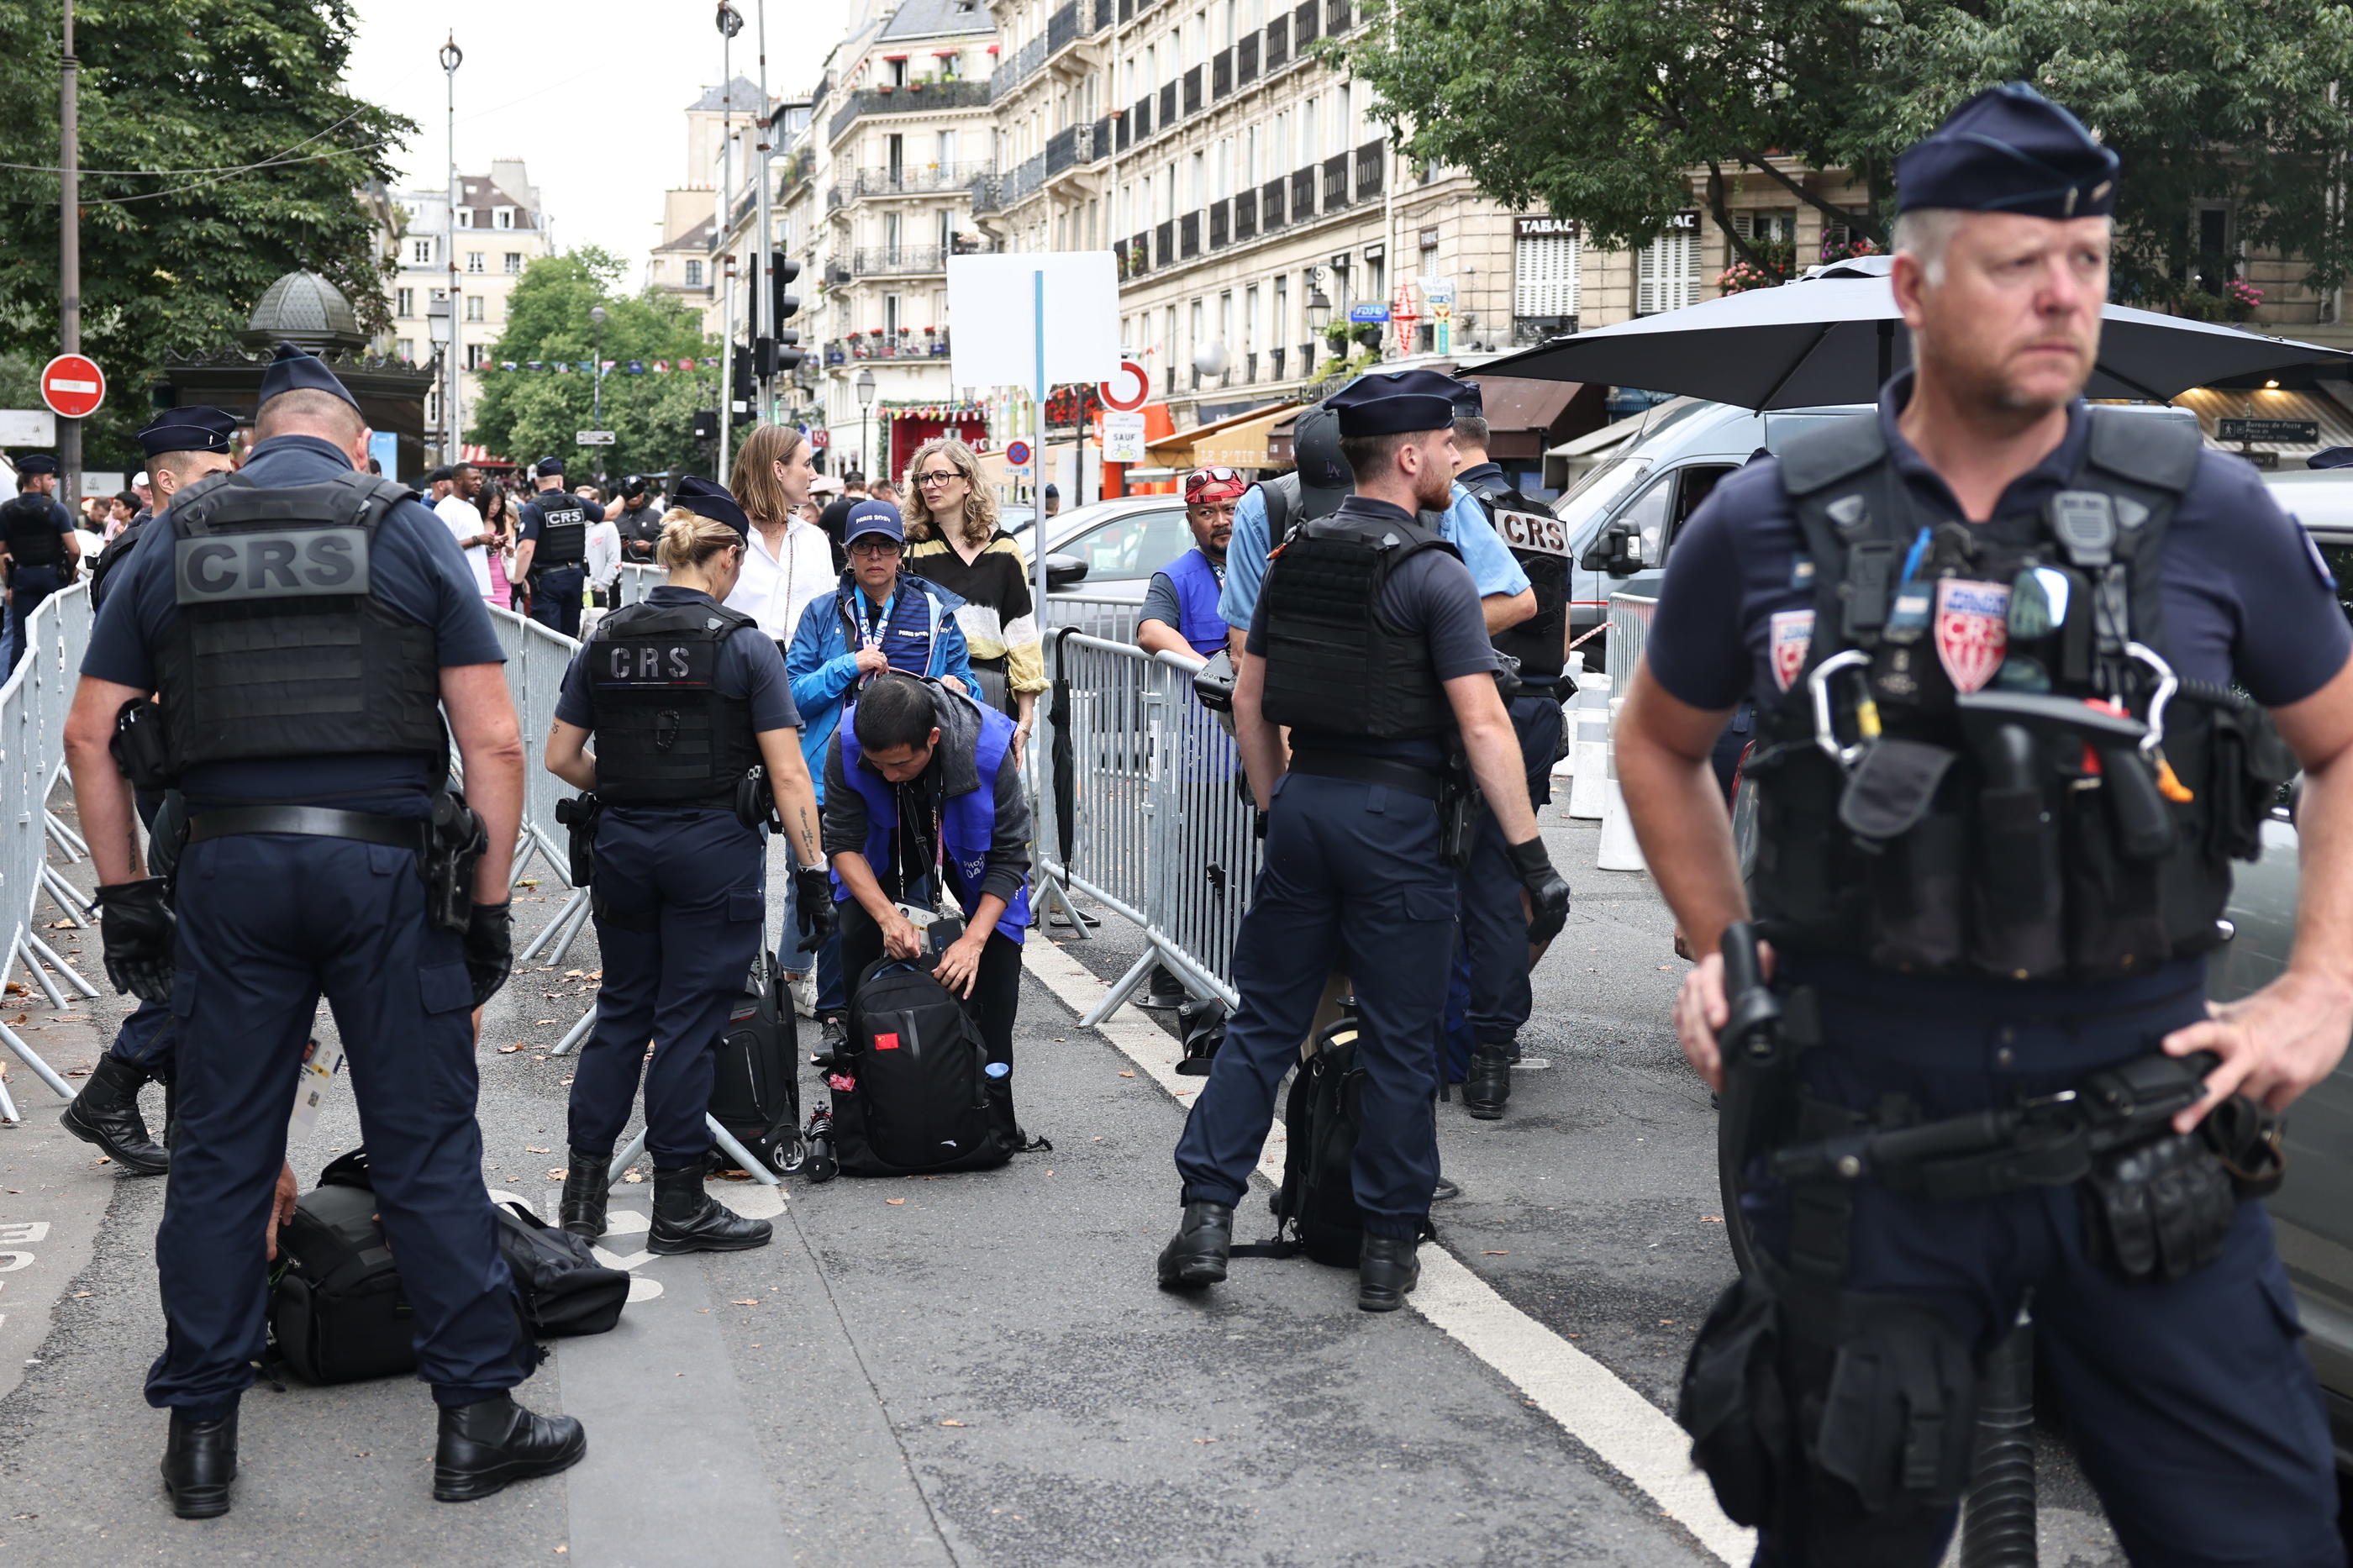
{"points": [[465, 523], [604, 553], [775, 589]]}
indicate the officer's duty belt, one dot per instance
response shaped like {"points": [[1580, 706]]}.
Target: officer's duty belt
{"points": [[1367, 770], [312, 821]]}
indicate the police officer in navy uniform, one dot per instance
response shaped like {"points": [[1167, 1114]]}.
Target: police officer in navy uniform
{"points": [[1982, 893], [694, 724], [183, 445], [638, 521], [304, 628], [38, 547], [553, 549], [1370, 643], [1495, 906]]}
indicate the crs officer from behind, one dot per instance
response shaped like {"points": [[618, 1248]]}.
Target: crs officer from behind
{"points": [[321, 857], [689, 703], [552, 551], [1983, 892], [183, 445], [1370, 646], [38, 546], [1494, 907]]}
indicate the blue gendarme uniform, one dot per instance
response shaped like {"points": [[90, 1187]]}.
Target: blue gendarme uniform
{"points": [[2190, 1402], [269, 922], [555, 588], [681, 900]]}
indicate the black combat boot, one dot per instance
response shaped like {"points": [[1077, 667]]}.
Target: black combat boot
{"points": [[106, 1112], [199, 1464], [585, 1188], [688, 1220], [1489, 1082], [1196, 1255], [488, 1444], [1386, 1270]]}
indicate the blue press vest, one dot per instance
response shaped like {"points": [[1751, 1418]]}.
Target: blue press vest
{"points": [[907, 629], [1197, 589], [967, 821]]}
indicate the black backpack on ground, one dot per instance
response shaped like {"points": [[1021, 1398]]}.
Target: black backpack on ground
{"points": [[1317, 1207], [337, 1311], [911, 1085], [756, 1092]]}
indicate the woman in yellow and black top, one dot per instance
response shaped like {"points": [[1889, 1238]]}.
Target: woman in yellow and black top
{"points": [[953, 540]]}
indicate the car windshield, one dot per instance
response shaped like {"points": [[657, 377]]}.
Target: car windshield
{"points": [[1599, 490]]}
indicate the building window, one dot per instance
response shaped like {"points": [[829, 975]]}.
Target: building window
{"points": [[502, 218], [420, 253], [473, 307], [1666, 273], [1543, 269], [474, 355], [891, 317], [514, 262], [405, 302], [465, 217], [406, 348], [693, 274], [473, 262]]}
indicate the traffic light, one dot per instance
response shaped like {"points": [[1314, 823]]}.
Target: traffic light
{"points": [[780, 355], [746, 395], [706, 424]]}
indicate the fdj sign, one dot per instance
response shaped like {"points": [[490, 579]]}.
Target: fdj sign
{"points": [[1533, 530], [277, 563]]}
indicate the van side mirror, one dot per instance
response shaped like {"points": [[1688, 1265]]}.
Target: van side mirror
{"points": [[1618, 552]]}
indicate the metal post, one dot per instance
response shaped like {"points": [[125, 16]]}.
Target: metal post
{"points": [[725, 222], [452, 431], [70, 250], [764, 266]]}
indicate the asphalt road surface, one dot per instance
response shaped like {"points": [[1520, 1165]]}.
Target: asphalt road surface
{"points": [[977, 1369]]}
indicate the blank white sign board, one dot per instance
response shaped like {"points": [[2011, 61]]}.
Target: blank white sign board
{"points": [[994, 317]]}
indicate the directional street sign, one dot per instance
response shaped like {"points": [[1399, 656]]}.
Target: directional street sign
{"points": [[592, 438], [2286, 432], [73, 386]]}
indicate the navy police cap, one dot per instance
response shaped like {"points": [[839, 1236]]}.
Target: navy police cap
{"points": [[296, 370], [1470, 403], [548, 469], [706, 500], [1395, 402], [2011, 150], [37, 463], [187, 430]]}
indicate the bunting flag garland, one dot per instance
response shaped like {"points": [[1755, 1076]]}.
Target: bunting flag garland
{"points": [[589, 367], [949, 412]]}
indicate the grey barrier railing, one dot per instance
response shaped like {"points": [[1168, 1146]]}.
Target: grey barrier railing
{"points": [[1113, 620], [33, 705], [1629, 630], [1142, 810]]}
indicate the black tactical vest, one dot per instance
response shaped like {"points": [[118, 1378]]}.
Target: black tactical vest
{"points": [[109, 558], [281, 646], [1540, 545], [1333, 662], [31, 531], [1967, 811], [664, 734], [563, 531]]}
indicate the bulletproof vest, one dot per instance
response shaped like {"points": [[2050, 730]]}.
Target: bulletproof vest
{"points": [[1981, 762], [31, 531], [111, 557], [1334, 662], [563, 531], [664, 734], [283, 645], [1540, 545]]}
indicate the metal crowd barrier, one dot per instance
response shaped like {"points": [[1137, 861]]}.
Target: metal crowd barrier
{"points": [[1629, 631], [1113, 620], [1144, 813], [33, 705], [537, 656], [638, 581]]}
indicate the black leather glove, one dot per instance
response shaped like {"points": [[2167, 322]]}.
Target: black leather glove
{"points": [[813, 907], [1547, 892], [137, 926], [489, 948]]}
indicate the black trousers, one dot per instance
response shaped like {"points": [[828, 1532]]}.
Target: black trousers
{"points": [[996, 998]]}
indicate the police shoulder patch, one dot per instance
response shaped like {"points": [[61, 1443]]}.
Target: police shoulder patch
{"points": [[1791, 634]]}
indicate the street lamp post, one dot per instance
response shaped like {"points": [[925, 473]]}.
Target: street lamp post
{"points": [[865, 385], [1319, 311], [451, 57], [596, 397]]}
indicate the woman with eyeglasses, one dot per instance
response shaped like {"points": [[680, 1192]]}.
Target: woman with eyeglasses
{"points": [[954, 543]]}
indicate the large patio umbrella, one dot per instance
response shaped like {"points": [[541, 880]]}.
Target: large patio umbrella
{"points": [[1836, 336]]}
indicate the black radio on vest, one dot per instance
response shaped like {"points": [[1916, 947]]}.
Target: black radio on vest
{"points": [[563, 532], [664, 734], [279, 649], [1537, 542], [1333, 662], [30, 528], [1983, 763]]}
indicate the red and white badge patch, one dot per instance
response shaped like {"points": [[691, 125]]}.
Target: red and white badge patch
{"points": [[1972, 630], [1792, 633]]}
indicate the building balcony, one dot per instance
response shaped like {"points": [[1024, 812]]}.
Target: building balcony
{"points": [[1193, 90], [1278, 44], [1164, 245], [1305, 23], [878, 344], [1270, 205], [912, 97], [1246, 60], [1336, 181], [1189, 236], [1134, 256], [1075, 146], [1221, 224], [1302, 195], [1025, 63], [919, 179], [911, 260], [1245, 217], [1371, 167]]}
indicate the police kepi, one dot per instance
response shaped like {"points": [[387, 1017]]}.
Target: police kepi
{"points": [[2005, 754], [304, 628], [1370, 643]]}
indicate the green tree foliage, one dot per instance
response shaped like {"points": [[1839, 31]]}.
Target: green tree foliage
{"points": [[1599, 110], [529, 414], [173, 260]]}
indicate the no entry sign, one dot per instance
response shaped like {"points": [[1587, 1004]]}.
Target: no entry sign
{"points": [[1127, 391], [73, 386]]}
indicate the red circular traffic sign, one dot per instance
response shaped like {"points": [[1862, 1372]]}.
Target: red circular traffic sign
{"points": [[73, 386], [1128, 389], [1017, 454]]}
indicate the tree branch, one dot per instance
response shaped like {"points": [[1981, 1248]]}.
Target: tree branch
{"points": [[1868, 222], [1723, 215]]}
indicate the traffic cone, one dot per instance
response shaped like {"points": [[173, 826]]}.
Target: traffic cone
{"points": [[1619, 851]]}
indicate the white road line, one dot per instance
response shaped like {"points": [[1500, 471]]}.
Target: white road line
{"points": [[1631, 1436]]}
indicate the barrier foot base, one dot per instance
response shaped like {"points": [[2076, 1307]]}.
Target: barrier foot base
{"points": [[66, 839], [1119, 988], [573, 1037], [49, 955]]}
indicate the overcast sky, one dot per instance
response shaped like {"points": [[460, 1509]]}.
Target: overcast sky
{"points": [[591, 94]]}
